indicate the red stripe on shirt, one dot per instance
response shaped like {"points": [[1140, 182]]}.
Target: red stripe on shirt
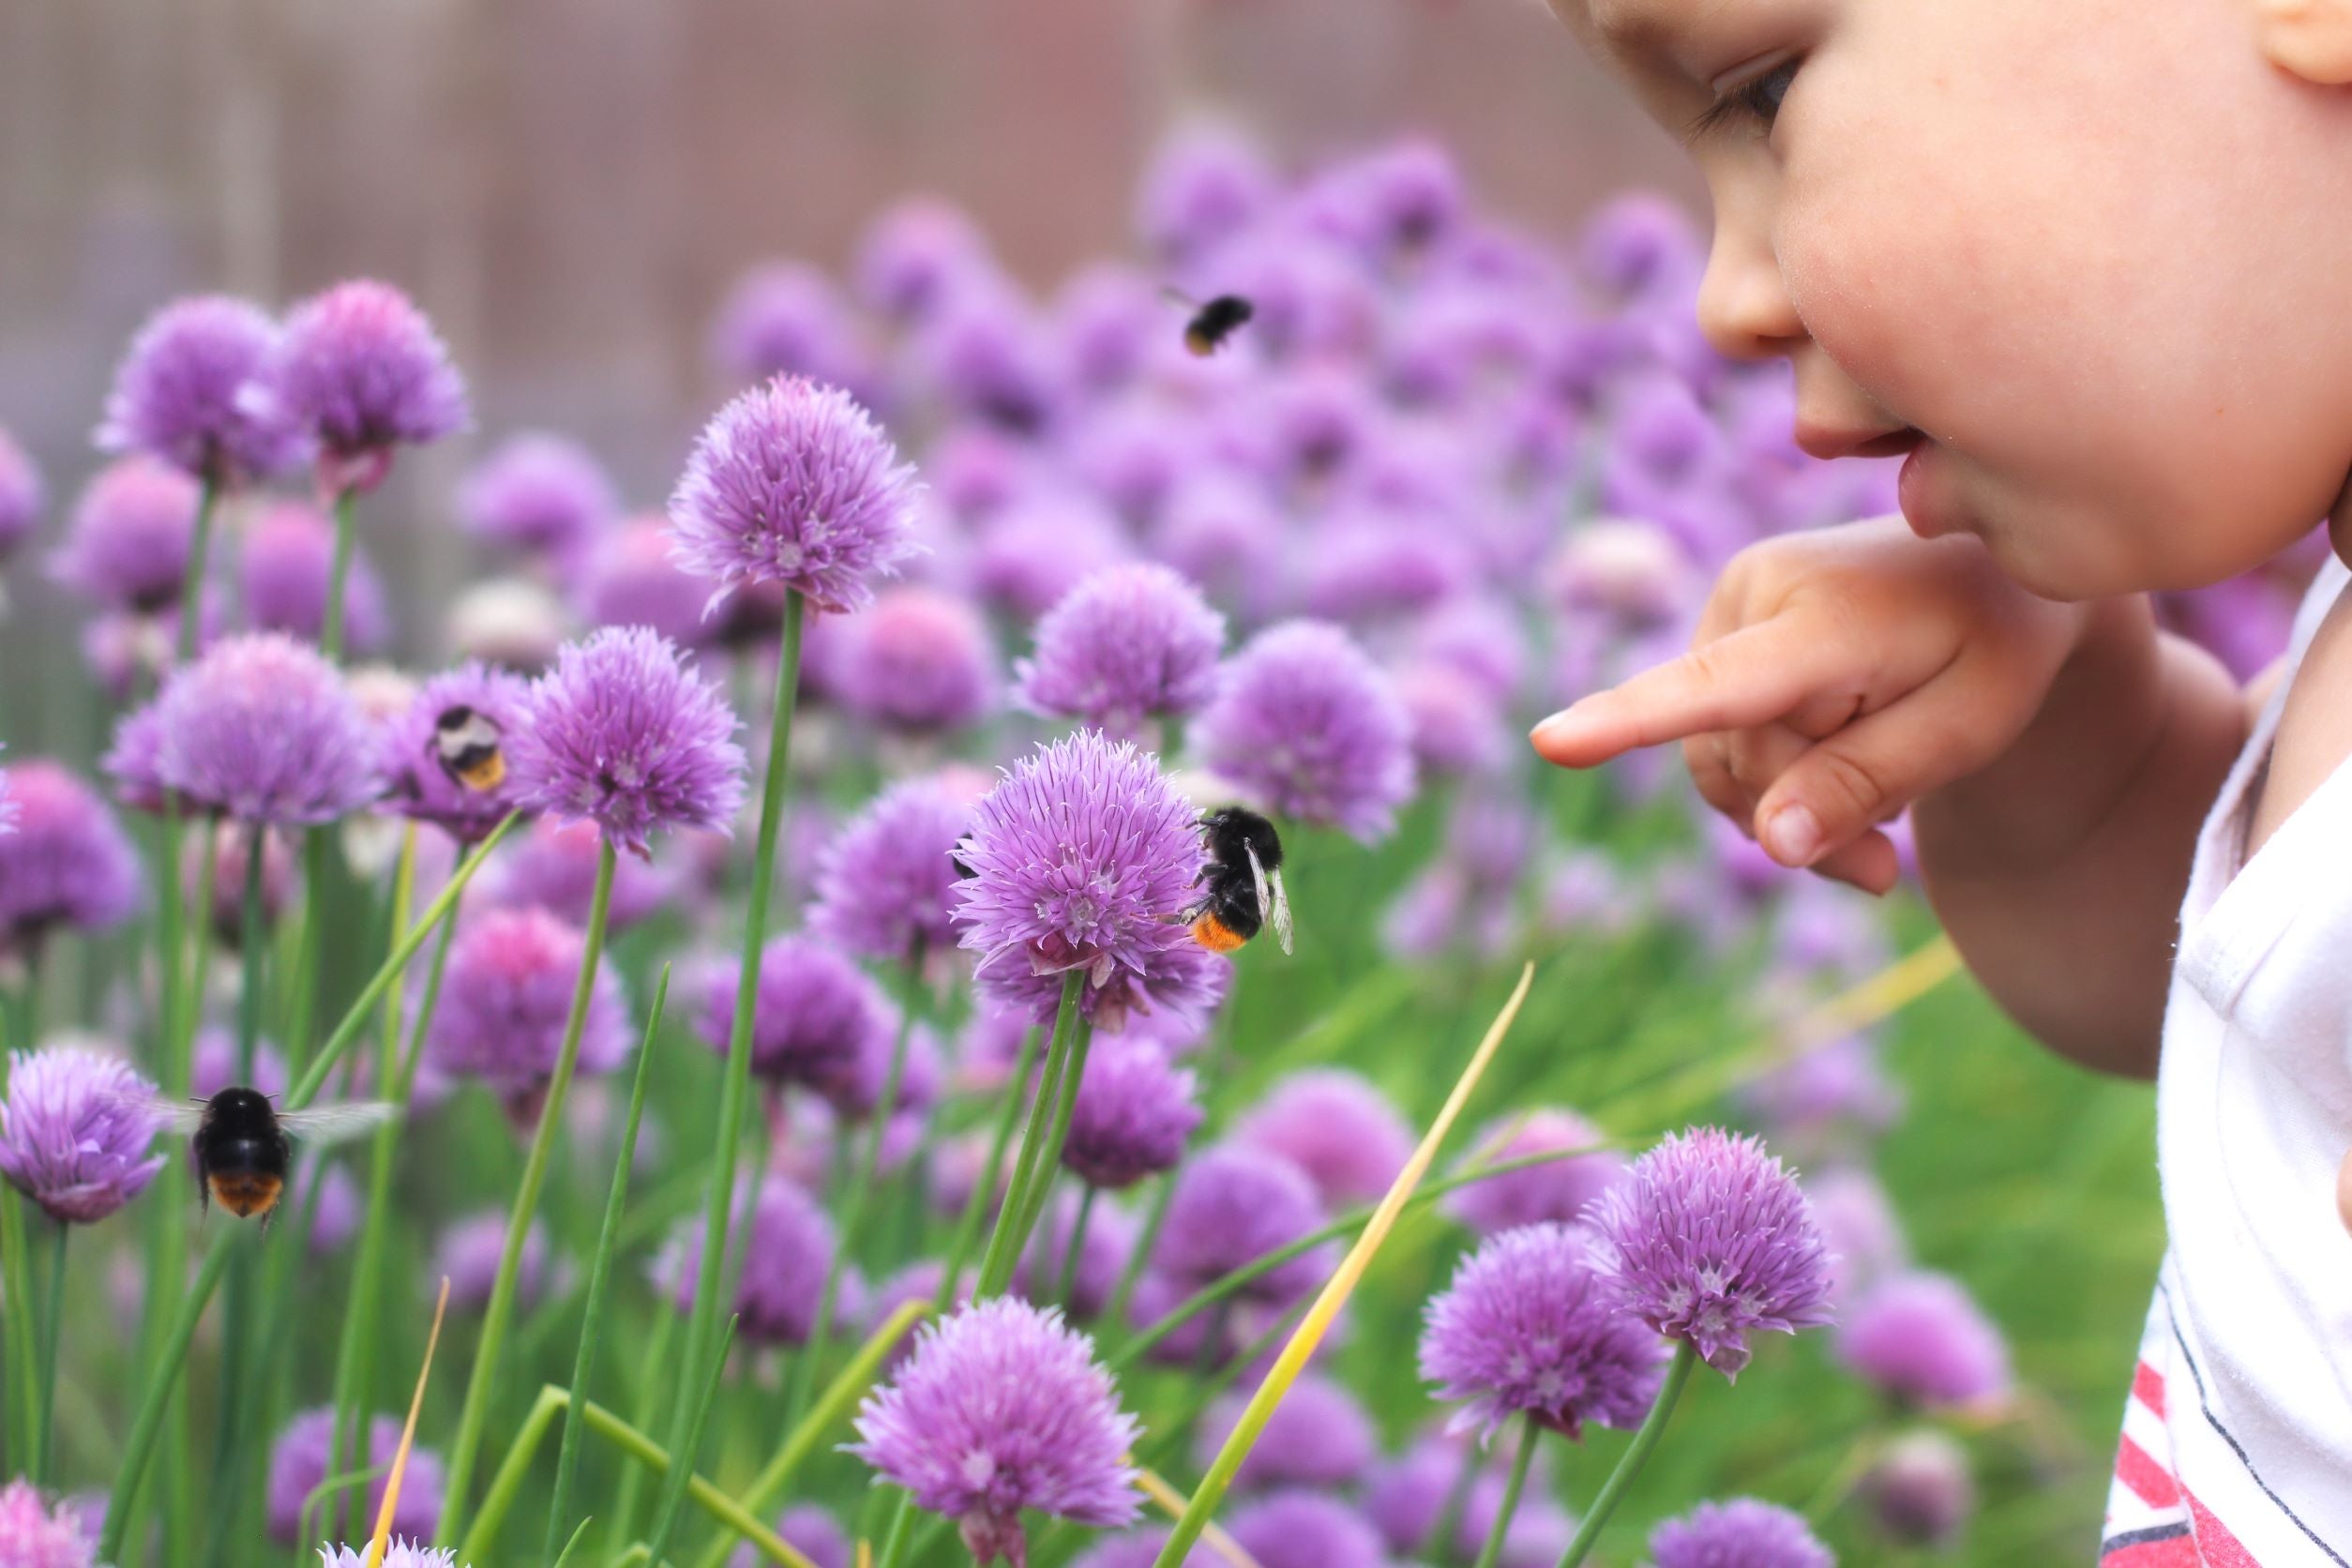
{"points": [[2148, 1387], [2150, 1481], [2217, 1546]]}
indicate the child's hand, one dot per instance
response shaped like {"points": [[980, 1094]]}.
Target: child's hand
{"points": [[1835, 677]]}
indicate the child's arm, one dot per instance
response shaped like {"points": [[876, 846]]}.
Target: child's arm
{"points": [[2061, 758]]}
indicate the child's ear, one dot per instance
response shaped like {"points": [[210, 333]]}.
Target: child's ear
{"points": [[2310, 38]]}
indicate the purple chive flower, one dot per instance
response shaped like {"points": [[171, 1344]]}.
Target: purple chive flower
{"points": [[1920, 1338], [882, 880], [1403, 1496], [554, 866], [397, 1554], [1130, 643], [1080, 859], [1002, 1407], [632, 581], [814, 1017], [1301, 1529], [1132, 1114], [1859, 1224], [1742, 1533], [127, 542], [792, 483], [298, 1464], [912, 255], [1334, 1126], [1835, 1092], [418, 786], [1225, 532], [1232, 1205], [986, 353], [1921, 1492], [1708, 1238], [133, 763], [287, 557], [621, 733], [1109, 1242], [7, 808], [22, 497], [538, 495], [1309, 725], [917, 660], [1139, 1549], [1319, 1436], [788, 319], [856, 1094], [263, 729], [1039, 548], [360, 369], [1639, 243], [1555, 1190], [469, 1252], [126, 650], [808, 1530], [186, 393], [1204, 186], [1636, 573], [69, 863], [340, 1208], [506, 997], [213, 1064], [31, 1536], [1525, 1327], [1107, 318], [1457, 730], [785, 1261], [74, 1132], [1133, 454]]}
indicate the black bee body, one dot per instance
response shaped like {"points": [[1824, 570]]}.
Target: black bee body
{"points": [[242, 1153], [1241, 882], [466, 744], [1217, 321]]}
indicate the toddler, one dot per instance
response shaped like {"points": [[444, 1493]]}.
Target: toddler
{"points": [[2084, 262]]}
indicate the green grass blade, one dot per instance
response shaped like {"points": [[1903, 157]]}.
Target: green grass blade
{"points": [[673, 1491]]}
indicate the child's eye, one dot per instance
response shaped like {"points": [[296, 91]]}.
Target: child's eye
{"points": [[1759, 98]]}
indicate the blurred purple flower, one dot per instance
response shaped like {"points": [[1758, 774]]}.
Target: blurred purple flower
{"points": [[213, 1065], [1311, 298], [1225, 532], [1231, 1206], [789, 1249], [31, 1536], [1742, 1533], [1921, 1492], [538, 495], [631, 580], [1524, 1328], [1132, 453], [1132, 1114], [984, 350], [1040, 548], [883, 879], [1834, 1093], [1637, 244], [554, 865], [1204, 185], [1478, 637], [793, 483], [127, 542], [286, 556], [1392, 201], [360, 369], [396, 1553], [622, 732], [1859, 1224], [1708, 1238], [22, 497], [916, 660], [1404, 1496], [508, 995], [1336, 1126], [1308, 723], [1105, 318], [301, 1458], [1922, 1337], [788, 319], [1080, 859], [1104, 1252], [418, 786], [183, 395], [340, 1207], [1634, 572], [856, 1093], [912, 255], [133, 763], [1459, 730], [510, 621], [1130, 643], [1303, 1528], [468, 1252], [74, 1132], [69, 863], [814, 1017], [1001, 1407], [1319, 1436], [263, 729], [809, 1530]]}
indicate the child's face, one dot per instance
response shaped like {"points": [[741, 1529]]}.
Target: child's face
{"points": [[2094, 252]]}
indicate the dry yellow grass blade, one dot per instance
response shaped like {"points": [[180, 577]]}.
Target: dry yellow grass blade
{"points": [[1172, 1502], [376, 1545], [1336, 1293]]}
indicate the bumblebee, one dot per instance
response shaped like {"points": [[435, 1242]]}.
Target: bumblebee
{"points": [[1213, 322], [244, 1144], [1241, 882], [466, 745]]}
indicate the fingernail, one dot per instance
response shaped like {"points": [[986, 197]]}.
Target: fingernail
{"points": [[1793, 834], [1555, 729]]}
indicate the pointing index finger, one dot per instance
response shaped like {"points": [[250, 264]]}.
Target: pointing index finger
{"points": [[1752, 676]]}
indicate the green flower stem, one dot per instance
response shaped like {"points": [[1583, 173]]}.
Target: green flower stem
{"points": [[46, 1441], [16, 1280], [1447, 1528], [173, 1357], [1491, 1553], [1005, 1241], [317, 842], [673, 1489], [812, 1354], [632, 1441], [1048, 1164], [735, 1083], [1636, 1453], [584, 1364], [650, 1386], [1115, 1315], [331, 624], [474, 1414], [984, 1186], [1068, 1280]]}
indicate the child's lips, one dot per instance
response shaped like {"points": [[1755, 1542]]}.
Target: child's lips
{"points": [[1915, 492]]}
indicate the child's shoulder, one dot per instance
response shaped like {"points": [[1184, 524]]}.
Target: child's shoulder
{"points": [[2314, 734]]}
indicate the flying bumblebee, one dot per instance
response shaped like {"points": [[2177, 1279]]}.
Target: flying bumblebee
{"points": [[1241, 882], [466, 745], [1212, 321], [244, 1144]]}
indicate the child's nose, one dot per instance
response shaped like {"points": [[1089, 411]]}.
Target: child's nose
{"points": [[1743, 305]]}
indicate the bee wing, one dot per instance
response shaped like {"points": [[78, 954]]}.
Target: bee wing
{"points": [[177, 1116], [332, 1123], [1274, 900], [1175, 295]]}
